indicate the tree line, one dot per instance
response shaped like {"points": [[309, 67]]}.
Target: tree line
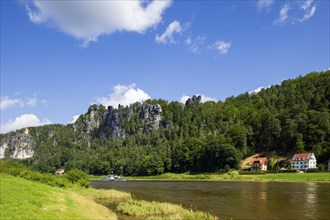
{"points": [[199, 137]]}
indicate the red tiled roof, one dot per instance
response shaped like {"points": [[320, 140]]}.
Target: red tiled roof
{"points": [[303, 156], [261, 160]]}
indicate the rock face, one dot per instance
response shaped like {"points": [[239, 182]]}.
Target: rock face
{"points": [[20, 145], [152, 116], [194, 99], [113, 121], [92, 120]]}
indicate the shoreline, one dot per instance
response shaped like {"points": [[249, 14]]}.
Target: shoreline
{"points": [[235, 177]]}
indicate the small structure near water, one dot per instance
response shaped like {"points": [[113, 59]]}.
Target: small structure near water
{"points": [[259, 164], [304, 161], [59, 172], [114, 178]]}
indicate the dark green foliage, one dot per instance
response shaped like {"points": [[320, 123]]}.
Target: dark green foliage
{"points": [[202, 137]]}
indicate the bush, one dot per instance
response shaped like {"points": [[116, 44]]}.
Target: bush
{"points": [[19, 170], [226, 168], [77, 176]]}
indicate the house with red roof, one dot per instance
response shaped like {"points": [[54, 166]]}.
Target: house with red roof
{"points": [[259, 164], [303, 161]]}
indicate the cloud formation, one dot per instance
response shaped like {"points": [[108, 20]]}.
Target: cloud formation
{"points": [[74, 119], [87, 20], [32, 102], [26, 120], [167, 36], [7, 102], [264, 4], [205, 98], [257, 90], [123, 95], [308, 9], [305, 11], [283, 15], [221, 46], [194, 45]]}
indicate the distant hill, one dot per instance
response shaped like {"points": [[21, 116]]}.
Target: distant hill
{"points": [[159, 136]]}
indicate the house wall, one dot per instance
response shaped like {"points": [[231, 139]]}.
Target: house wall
{"points": [[263, 167], [259, 167], [303, 164]]}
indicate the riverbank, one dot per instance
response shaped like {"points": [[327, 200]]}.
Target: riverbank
{"points": [[26, 199], [235, 176]]}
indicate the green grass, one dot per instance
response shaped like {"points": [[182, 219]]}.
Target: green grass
{"points": [[24, 199], [294, 177], [160, 210], [234, 176]]}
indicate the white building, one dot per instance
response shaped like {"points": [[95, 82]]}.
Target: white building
{"points": [[303, 161]]}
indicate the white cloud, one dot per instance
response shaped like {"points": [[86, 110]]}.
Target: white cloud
{"points": [[167, 36], [221, 46], [123, 95], [306, 4], [195, 44], [26, 120], [283, 15], [205, 98], [308, 14], [184, 98], [308, 9], [7, 102], [257, 90], [87, 20], [264, 4], [188, 41], [32, 102], [75, 117]]}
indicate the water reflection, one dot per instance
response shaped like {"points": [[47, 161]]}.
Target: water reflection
{"points": [[238, 200], [311, 199]]}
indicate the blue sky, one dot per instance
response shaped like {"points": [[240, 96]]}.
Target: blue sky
{"points": [[58, 57]]}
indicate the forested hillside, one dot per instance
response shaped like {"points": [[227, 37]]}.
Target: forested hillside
{"points": [[159, 136]]}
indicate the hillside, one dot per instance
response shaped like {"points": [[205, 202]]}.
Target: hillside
{"points": [[159, 136]]}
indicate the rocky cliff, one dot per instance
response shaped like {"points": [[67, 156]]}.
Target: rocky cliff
{"points": [[117, 122], [18, 145]]}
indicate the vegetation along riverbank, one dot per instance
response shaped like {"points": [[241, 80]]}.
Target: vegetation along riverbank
{"points": [[27, 194], [235, 176]]}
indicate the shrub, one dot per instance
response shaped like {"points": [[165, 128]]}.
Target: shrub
{"points": [[77, 176]]}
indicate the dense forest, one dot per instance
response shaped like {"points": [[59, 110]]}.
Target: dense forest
{"points": [[196, 137]]}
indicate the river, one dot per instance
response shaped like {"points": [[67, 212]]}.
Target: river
{"points": [[238, 200]]}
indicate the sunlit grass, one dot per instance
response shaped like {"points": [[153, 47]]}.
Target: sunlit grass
{"points": [[160, 210], [234, 176], [295, 177], [112, 196], [24, 199]]}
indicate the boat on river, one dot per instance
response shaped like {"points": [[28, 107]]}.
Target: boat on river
{"points": [[113, 178]]}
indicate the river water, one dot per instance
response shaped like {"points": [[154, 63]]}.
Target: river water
{"points": [[237, 200]]}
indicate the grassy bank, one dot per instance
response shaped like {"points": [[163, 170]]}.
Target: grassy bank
{"points": [[27, 194], [234, 176], [24, 199]]}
